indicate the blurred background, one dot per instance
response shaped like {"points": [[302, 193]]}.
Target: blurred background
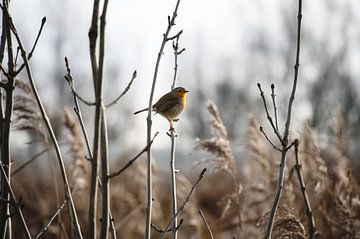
{"points": [[230, 46]]}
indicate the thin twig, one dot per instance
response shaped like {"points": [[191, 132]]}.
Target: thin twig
{"points": [[159, 230], [267, 138], [309, 212], [277, 133], [206, 224], [130, 162], [291, 145], [172, 136], [184, 204], [273, 95], [175, 36], [36, 156], [44, 229], [43, 21], [124, 92], [15, 204], [86, 138], [171, 22], [77, 110], [284, 141], [175, 46], [50, 130], [75, 93]]}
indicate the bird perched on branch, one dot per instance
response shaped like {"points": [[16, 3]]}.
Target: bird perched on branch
{"points": [[170, 105]]}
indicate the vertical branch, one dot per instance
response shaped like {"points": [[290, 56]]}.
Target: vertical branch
{"points": [[171, 23], [93, 197], [176, 54], [105, 222], [309, 212], [173, 185], [50, 131], [5, 144], [296, 73], [172, 135], [285, 139], [77, 110], [2, 186], [273, 95], [15, 204], [183, 205]]}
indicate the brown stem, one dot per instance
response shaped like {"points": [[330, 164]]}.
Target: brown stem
{"points": [[50, 130], [15, 204], [6, 225], [309, 212], [206, 224], [130, 162], [45, 228], [93, 197], [284, 140], [171, 22], [184, 204], [124, 92]]}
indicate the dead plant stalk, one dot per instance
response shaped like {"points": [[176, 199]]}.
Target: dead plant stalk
{"points": [[166, 38], [284, 140]]}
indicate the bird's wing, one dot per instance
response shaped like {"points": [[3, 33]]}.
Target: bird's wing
{"points": [[166, 105]]}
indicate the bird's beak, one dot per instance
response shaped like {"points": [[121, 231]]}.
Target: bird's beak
{"points": [[186, 91]]}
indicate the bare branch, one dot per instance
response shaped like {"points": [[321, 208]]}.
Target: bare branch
{"points": [[117, 173], [309, 212], [267, 138], [49, 128], [124, 92], [206, 224], [43, 21], [77, 110], [70, 81], [291, 145], [274, 105], [277, 133], [177, 35], [171, 22], [90, 157], [15, 204], [36, 156], [159, 230], [175, 46], [44, 229], [284, 141], [183, 205]]}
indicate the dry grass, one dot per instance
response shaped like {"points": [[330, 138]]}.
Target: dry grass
{"points": [[236, 197]]}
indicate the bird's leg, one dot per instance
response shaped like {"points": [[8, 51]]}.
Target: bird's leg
{"points": [[171, 126]]}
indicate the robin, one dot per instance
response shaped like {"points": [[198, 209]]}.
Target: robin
{"points": [[170, 105]]}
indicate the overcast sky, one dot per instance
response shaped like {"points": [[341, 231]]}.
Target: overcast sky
{"points": [[216, 36]]}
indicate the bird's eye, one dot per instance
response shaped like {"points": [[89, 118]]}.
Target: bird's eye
{"points": [[179, 90]]}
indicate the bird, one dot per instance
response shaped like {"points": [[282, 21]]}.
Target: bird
{"points": [[170, 105]]}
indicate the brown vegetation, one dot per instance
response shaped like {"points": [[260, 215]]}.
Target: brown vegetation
{"points": [[233, 208]]}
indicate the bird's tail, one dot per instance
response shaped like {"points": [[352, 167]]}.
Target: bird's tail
{"points": [[139, 111]]}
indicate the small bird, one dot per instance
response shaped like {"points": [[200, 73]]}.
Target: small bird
{"points": [[170, 105]]}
